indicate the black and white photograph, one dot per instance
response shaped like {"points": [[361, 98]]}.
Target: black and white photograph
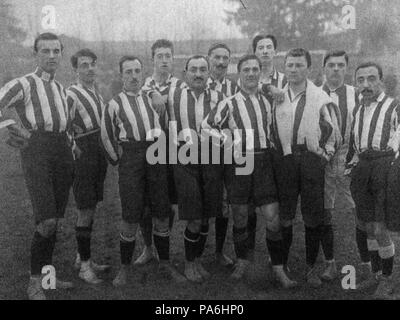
{"points": [[212, 151]]}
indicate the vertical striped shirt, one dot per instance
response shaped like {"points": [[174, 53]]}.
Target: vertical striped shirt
{"points": [[39, 100], [226, 86], [128, 117], [188, 111], [375, 127], [249, 117], [163, 88], [86, 107], [345, 98]]}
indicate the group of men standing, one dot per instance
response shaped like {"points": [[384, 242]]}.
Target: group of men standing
{"points": [[301, 139]]}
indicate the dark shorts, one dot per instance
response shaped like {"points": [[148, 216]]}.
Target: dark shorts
{"points": [[47, 164], [301, 174], [393, 197], [258, 188], [369, 180], [200, 190], [142, 184], [90, 173]]}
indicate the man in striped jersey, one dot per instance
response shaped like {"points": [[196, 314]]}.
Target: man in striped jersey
{"points": [[344, 96], [219, 57], [249, 113], [130, 122], [86, 107], [375, 137], [40, 103], [161, 81], [307, 135], [199, 186]]}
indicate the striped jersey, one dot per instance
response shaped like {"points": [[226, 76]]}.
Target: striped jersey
{"points": [[86, 107], [249, 117], [163, 88], [226, 86], [128, 117], [345, 98], [374, 127], [39, 100], [188, 111]]}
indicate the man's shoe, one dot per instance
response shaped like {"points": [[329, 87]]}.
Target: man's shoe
{"points": [[88, 275], [330, 272], [191, 272], [223, 260], [200, 269], [35, 290], [313, 279], [166, 267], [283, 279], [96, 267], [240, 269], [385, 289], [64, 284], [122, 277], [146, 256]]}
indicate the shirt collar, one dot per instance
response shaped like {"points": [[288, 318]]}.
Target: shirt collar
{"points": [[246, 96], [337, 90], [44, 75], [168, 81], [290, 93], [131, 94], [378, 99]]}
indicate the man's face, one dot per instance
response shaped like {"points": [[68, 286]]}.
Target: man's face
{"points": [[265, 50], [335, 70], [296, 69], [48, 55], [86, 69], [219, 61], [132, 76], [163, 60], [250, 74], [197, 73], [368, 82]]}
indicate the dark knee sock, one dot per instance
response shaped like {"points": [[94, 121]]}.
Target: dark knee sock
{"points": [[387, 256], [312, 245], [127, 246], [171, 218], [146, 226], [251, 230], [275, 247], [287, 239], [326, 236], [52, 244], [83, 235], [362, 245], [161, 242], [221, 228], [241, 242], [376, 261], [202, 240], [191, 244], [40, 249]]}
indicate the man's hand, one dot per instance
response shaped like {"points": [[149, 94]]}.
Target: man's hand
{"points": [[76, 151], [18, 136], [157, 102]]}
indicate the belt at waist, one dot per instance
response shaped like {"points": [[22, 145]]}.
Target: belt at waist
{"points": [[374, 154]]}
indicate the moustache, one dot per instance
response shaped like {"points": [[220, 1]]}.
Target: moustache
{"points": [[198, 78], [221, 66], [366, 91]]}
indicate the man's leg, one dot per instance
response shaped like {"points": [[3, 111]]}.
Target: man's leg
{"points": [[191, 241], [146, 227], [327, 243], [240, 239], [221, 229], [275, 244]]}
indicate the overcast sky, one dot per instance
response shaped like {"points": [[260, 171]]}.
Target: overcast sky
{"points": [[132, 19]]}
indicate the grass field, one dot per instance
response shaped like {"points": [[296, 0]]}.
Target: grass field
{"points": [[16, 229]]}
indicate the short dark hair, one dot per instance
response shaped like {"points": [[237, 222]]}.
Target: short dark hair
{"points": [[217, 46], [248, 57], [82, 53], [335, 53], [161, 43], [259, 37], [370, 64], [128, 58], [299, 52], [46, 36], [195, 57]]}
